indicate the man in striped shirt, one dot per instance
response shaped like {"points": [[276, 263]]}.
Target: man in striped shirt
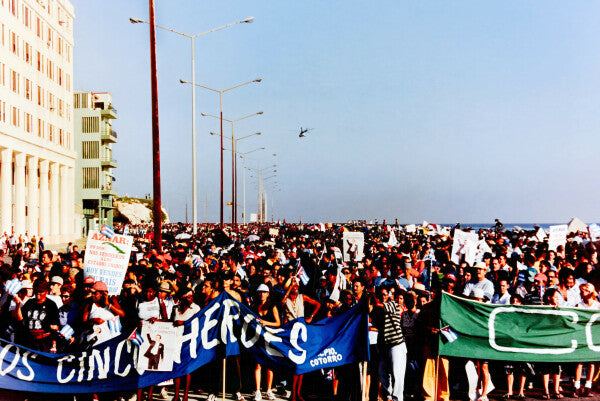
{"points": [[392, 348]]}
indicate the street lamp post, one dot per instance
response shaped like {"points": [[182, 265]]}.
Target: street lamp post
{"points": [[220, 92], [233, 158], [234, 172], [192, 38]]}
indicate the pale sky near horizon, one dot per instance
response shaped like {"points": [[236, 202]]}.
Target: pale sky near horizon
{"points": [[430, 110]]}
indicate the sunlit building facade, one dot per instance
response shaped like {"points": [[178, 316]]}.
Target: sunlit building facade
{"points": [[37, 151]]}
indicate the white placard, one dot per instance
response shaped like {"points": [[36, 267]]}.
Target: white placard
{"points": [[354, 243], [594, 230], [464, 247], [253, 217], [161, 346], [106, 259], [540, 235], [558, 236]]}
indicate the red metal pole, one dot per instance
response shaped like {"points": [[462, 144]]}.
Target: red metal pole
{"points": [[157, 209]]}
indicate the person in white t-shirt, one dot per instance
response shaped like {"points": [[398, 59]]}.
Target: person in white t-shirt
{"points": [[588, 295], [503, 297]]}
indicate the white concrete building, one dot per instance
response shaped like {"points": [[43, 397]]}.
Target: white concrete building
{"points": [[37, 154]]}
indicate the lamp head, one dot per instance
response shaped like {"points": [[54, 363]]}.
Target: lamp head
{"points": [[182, 81], [260, 112], [248, 20], [259, 133], [203, 114], [212, 133], [135, 20], [257, 80]]}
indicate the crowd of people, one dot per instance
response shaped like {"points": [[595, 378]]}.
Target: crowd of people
{"points": [[400, 276]]}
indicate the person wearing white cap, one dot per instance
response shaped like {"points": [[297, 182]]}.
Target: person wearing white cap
{"points": [[56, 284], [268, 316], [480, 282]]}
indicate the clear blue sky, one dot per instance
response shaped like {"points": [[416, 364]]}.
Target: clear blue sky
{"points": [[443, 111]]}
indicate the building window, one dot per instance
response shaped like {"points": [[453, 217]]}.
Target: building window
{"points": [[27, 54], [26, 17], [28, 122], [91, 177], [2, 80], [68, 80], [16, 117], [90, 125], [28, 89], [50, 69], [60, 107], [60, 137], [40, 128], [2, 111], [39, 30], [14, 85], [14, 7], [40, 61], [50, 101], [14, 43], [40, 96], [90, 149]]}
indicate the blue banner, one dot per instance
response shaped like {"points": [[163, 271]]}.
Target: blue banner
{"points": [[221, 329]]}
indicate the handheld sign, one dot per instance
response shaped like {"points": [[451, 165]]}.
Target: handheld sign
{"points": [[106, 259]]}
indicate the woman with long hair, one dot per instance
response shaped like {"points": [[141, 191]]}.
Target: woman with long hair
{"points": [[269, 316]]}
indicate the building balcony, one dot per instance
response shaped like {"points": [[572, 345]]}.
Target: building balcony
{"points": [[108, 136], [108, 190], [108, 162], [109, 112], [106, 203]]}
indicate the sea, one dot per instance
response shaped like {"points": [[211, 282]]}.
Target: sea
{"points": [[508, 226]]}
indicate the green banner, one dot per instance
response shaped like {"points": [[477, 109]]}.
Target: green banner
{"points": [[478, 330]]}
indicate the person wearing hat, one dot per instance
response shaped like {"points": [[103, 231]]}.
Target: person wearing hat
{"points": [[39, 316], [184, 311], [268, 316], [480, 282], [101, 309], [165, 300], [56, 284]]}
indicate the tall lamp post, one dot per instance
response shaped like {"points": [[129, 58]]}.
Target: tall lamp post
{"points": [[156, 204], [192, 37], [242, 155], [233, 158], [220, 92]]}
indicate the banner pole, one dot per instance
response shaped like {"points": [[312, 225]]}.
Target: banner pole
{"points": [[224, 368], [364, 380], [435, 386]]}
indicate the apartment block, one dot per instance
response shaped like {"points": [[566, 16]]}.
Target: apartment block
{"points": [[94, 137], [37, 151]]}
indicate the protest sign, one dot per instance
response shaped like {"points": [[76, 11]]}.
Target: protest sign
{"points": [[162, 343], [557, 236], [354, 243], [273, 232], [594, 231], [222, 328], [519, 333], [464, 247], [253, 217], [106, 259], [540, 234]]}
